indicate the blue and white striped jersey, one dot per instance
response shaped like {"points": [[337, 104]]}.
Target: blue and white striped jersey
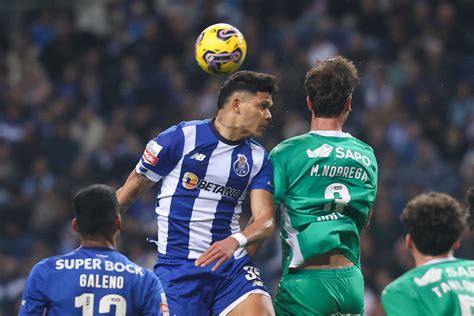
{"points": [[92, 281], [204, 181]]}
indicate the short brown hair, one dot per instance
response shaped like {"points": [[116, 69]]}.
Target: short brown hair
{"points": [[434, 221], [249, 81], [329, 83]]}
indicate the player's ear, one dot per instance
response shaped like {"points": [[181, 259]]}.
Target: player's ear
{"points": [[117, 223], [309, 103], [75, 225], [408, 242], [457, 244], [235, 104], [348, 104]]}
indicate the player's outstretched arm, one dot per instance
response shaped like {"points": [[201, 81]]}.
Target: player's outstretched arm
{"points": [[133, 187], [263, 225]]}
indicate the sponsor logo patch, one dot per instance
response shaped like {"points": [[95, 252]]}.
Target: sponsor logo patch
{"points": [[431, 276], [151, 152], [323, 151], [191, 181]]}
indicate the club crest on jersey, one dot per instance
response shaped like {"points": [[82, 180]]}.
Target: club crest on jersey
{"points": [[241, 166]]}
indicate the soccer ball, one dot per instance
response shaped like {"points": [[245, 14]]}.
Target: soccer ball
{"points": [[220, 49]]}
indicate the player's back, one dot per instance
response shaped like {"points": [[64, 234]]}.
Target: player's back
{"points": [[441, 287], [91, 281], [326, 182]]}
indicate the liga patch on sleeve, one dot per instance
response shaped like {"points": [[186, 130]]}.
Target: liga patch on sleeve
{"points": [[151, 152]]}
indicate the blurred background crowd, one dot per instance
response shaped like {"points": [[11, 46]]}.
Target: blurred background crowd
{"points": [[85, 84]]}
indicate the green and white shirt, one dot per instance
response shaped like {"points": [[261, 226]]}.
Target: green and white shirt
{"points": [[325, 183], [439, 287]]}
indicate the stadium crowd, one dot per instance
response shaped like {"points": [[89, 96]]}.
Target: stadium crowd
{"points": [[84, 85]]}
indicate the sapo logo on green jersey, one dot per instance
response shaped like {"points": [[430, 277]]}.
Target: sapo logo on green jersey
{"points": [[190, 181], [325, 151]]}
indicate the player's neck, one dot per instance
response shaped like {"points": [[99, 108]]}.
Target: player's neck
{"points": [[99, 242], [326, 124], [228, 129]]}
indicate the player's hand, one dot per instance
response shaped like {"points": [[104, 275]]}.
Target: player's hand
{"points": [[220, 250]]}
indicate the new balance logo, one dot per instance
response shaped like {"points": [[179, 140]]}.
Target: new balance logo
{"points": [[431, 276], [198, 157], [323, 151]]}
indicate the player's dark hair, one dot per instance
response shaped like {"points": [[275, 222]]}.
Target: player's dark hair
{"points": [[246, 80], [434, 221], [329, 83], [95, 208], [470, 209]]}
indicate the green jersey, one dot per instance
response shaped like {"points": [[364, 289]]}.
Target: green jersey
{"points": [[439, 287], [325, 183]]}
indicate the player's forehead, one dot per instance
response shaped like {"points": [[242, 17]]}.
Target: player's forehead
{"points": [[261, 98]]}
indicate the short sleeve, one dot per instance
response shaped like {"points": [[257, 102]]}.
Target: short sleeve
{"points": [[279, 177], [154, 300], [264, 178], [34, 300], [398, 302], [161, 154]]}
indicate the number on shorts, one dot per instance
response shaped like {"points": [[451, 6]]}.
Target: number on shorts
{"points": [[252, 273]]}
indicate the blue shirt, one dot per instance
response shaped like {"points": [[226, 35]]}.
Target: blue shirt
{"points": [[204, 179], [91, 281]]}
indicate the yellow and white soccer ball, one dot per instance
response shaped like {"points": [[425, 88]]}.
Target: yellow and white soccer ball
{"points": [[220, 49]]}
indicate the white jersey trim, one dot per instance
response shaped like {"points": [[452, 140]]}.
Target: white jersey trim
{"points": [[292, 239], [149, 174], [229, 308], [331, 133], [169, 187], [438, 260]]}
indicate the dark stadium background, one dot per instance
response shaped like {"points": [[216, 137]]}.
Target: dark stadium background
{"points": [[84, 85]]}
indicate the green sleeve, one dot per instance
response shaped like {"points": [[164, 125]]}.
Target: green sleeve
{"points": [[399, 302], [279, 176]]}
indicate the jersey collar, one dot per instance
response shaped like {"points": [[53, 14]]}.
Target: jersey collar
{"points": [[331, 133], [438, 260], [221, 138]]}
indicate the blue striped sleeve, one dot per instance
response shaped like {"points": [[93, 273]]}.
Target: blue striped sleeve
{"points": [[162, 154]]}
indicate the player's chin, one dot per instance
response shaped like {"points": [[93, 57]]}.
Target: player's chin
{"points": [[258, 133]]}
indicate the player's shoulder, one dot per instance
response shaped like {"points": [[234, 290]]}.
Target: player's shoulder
{"points": [[398, 288], [464, 262], [414, 277], [182, 125], [45, 266], [255, 145], [290, 144], [363, 145]]}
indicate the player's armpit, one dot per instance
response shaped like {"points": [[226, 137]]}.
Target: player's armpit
{"points": [[134, 186]]}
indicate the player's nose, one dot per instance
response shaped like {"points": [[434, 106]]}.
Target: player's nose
{"points": [[268, 115]]}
